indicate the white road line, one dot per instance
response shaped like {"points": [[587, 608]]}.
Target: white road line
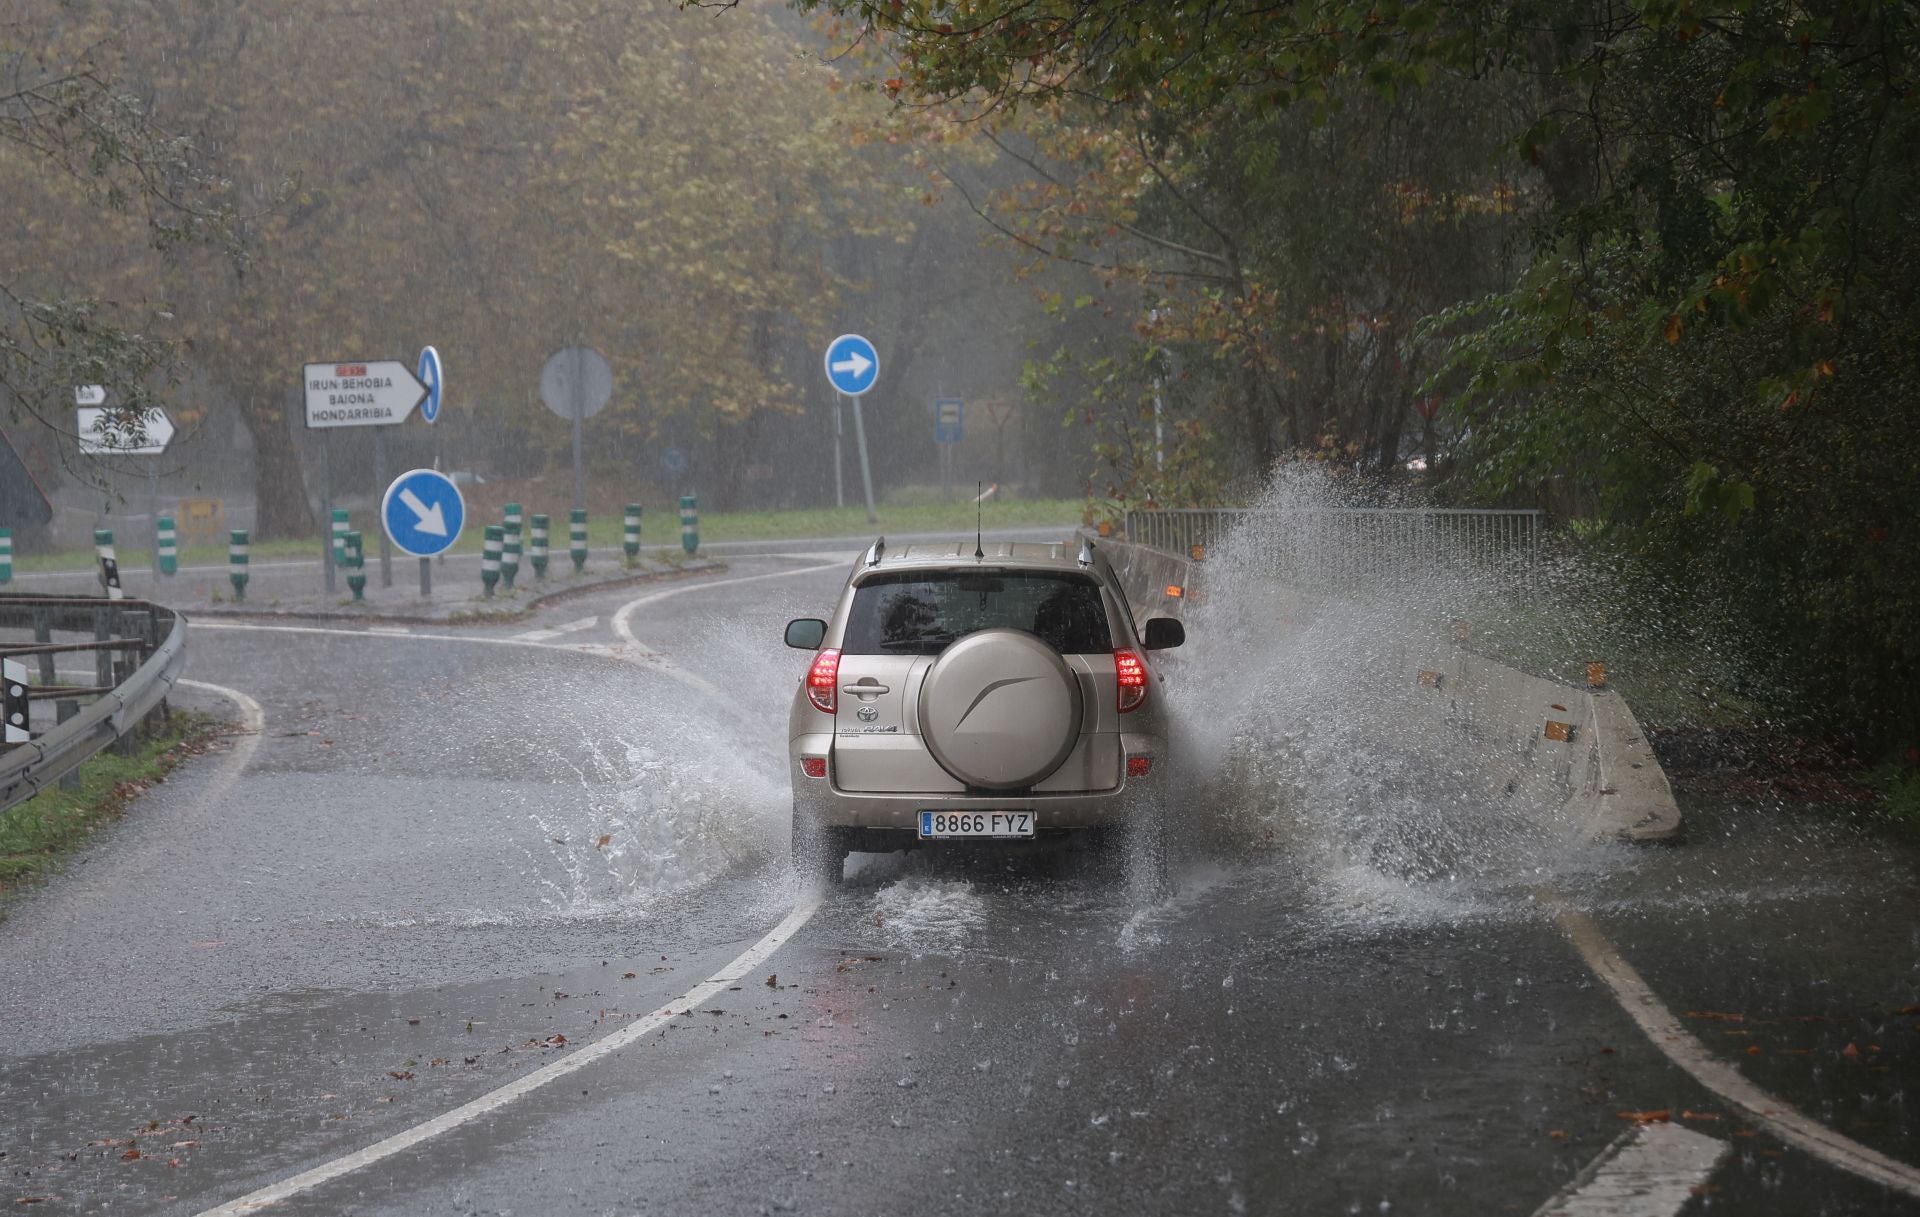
{"points": [[389, 629], [1652, 1171], [253, 718], [203, 624], [623, 616], [746, 962], [571, 627], [1680, 1047]]}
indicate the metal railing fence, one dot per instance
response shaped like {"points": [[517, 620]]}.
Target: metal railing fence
{"points": [[1343, 545], [137, 648]]}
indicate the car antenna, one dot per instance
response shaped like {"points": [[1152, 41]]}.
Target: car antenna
{"points": [[979, 513]]}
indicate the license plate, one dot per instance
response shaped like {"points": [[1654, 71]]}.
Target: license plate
{"points": [[945, 825]]}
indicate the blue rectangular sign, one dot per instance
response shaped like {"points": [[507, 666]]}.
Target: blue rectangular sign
{"points": [[949, 420]]}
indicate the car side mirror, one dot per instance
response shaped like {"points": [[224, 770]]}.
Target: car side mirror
{"points": [[1164, 633], [806, 633]]}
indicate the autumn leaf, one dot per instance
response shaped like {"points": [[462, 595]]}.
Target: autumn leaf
{"points": [[605, 839], [1674, 328], [1661, 1116]]}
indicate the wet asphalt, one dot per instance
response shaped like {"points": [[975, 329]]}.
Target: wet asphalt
{"points": [[444, 863]]}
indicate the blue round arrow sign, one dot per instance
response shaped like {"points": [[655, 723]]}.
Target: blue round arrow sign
{"points": [[429, 374], [422, 512], [852, 364]]}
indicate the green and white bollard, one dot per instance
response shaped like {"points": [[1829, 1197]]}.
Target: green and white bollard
{"points": [[490, 558], [340, 526], [513, 518], [630, 533], [109, 563], [6, 555], [353, 557], [539, 550], [168, 541], [510, 551], [237, 562], [577, 538], [689, 523]]}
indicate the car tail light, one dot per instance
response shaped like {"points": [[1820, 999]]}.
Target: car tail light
{"points": [[1139, 766], [823, 681], [1132, 677], [814, 766]]}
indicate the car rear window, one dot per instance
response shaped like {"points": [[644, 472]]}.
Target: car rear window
{"points": [[919, 613]]}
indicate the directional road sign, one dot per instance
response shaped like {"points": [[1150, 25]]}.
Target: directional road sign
{"points": [[429, 374], [102, 434], [90, 395], [674, 461], [377, 394], [852, 364], [423, 512], [576, 382], [949, 420]]}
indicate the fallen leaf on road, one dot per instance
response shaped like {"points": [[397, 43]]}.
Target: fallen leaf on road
{"points": [[1662, 1116], [1850, 1050], [400, 1075], [1699, 1115], [132, 1155], [606, 838], [1558, 1134], [1717, 1016], [773, 980], [1753, 1050], [1908, 1010]]}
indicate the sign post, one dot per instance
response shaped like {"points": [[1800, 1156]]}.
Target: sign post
{"points": [[853, 366], [576, 383], [147, 435], [370, 393], [422, 513], [949, 428]]}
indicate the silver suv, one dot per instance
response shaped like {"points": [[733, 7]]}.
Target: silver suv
{"points": [[963, 692]]}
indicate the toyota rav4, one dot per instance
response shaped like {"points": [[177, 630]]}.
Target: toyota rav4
{"points": [[963, 692]]}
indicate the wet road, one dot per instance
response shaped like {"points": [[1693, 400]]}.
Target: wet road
{"points": [[448, 861]]}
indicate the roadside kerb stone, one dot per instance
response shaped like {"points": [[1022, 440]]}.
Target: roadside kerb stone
{"points": [[1603, 774]]}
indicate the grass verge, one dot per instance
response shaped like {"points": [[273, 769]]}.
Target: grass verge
{"points": [[658, 526], [34, 835]]}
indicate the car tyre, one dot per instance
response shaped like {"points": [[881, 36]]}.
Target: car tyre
{"points": [[1147, 854], [819, 852]]}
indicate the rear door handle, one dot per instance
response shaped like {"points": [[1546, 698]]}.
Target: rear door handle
{"points": [[865, 689]]}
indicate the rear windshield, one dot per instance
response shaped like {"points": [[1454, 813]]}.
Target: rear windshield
{"points": [[920, 613]]}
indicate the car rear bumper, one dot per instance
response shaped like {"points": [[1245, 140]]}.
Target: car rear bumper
{"points": [[831, 807]]}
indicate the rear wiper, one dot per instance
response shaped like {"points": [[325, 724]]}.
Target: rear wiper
{"points": [[914, 644]]}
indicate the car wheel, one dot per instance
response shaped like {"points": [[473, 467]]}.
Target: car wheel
{"points": [[819, 852], [1147, 854]]}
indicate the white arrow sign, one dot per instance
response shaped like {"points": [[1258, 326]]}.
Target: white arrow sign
{"points": [[855, 363], [148, 437], [377, 394], [426, 519]]}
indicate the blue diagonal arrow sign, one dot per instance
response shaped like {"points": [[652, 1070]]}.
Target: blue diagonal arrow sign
{"points": [[423, 511]]}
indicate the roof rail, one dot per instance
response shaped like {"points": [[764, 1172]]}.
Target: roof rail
{"points": [[874, 554], [1086, 551]]}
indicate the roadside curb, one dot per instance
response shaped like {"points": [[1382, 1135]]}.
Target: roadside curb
{"points": [[508, 617]]}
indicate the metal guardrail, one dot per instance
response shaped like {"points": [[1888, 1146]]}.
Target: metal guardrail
{"points": [[138, 648], [1347, 544]]}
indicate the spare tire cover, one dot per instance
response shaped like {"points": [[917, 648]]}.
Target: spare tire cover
{"points": [[1000, 709]]}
